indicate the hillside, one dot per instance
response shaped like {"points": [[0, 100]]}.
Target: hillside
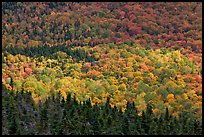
{"points": [[145, 53]]}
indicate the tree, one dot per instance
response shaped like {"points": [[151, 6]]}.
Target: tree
{"points": [[125, 126], [29, 86], [44, 116], [170, 98]]}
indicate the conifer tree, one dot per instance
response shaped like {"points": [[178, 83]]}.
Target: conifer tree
{"points": [[167, 114], [125, 126]]}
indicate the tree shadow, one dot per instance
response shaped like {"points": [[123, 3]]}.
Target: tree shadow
{"points": [[49, 51]]}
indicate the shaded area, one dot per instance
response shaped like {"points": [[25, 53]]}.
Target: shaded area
{"points": [[48, 51], [59, 116]]}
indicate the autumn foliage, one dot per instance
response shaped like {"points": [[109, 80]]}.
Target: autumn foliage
{"points": [[146, 53]]}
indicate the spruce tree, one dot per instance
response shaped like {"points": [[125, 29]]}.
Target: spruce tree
{"points": [[197, 127], [54, 124], [167, 114], [44, 116], [144, 122], [125, 126], [153, 128]]}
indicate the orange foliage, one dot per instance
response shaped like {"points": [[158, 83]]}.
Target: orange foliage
{"points": [[144, 66], [93, 73], [96, 100], [199, 78], [199, 89], [170, 98]]}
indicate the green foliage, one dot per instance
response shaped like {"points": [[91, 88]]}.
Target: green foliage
{"points": [[142, 87], [149, 96], [18, 85], [8, 80], [29, 86]]}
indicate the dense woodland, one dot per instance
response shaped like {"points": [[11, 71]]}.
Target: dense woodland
{"points": [[58, 116], [102, 68]]}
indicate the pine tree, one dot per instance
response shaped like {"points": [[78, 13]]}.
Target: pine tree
{"points": [[54, 124], [144, 122], [140, 130], [12, 117], [125, 126], [153, 128], [149, 111], [62, 104], [43, 116], [197, 127], [167, 114], [13, 128], [160, 125], [96, 127]]}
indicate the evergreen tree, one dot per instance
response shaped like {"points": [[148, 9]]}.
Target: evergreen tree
{"points": [[153, 128], [12, 117], [197, 127], [54, 124], [144, 122], [125, 126], [167, 114], [44, 116]]}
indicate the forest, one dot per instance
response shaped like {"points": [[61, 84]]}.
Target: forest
{"points": [[101, 68]]}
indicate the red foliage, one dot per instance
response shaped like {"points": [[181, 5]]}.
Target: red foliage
{"points": [[25, 75], [87, 65], [28, 71], [122, 13], [190, 57], [12, 67], [105, 55], [5, 76]]}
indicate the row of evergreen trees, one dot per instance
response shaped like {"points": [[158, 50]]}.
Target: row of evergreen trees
{"points": [[57, 116], [48, 51]]}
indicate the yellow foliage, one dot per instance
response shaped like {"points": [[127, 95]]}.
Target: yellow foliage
{"points": [[97, 55], [141, 105], [195, 97], [185, 96], [111, 99], [179, 97], [180, 107], [198, 104], [63, 93], [96, 100], [139, 113], [200, 98], [170, 98], [129, 75], [123, 87], [116, 92], [104, 99], [123, 109], [124, 102], [112, 79], [156, 111], [152, 77], [175, 114], [8, 87], [112, 105], [142, 94], [129, 64]]}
